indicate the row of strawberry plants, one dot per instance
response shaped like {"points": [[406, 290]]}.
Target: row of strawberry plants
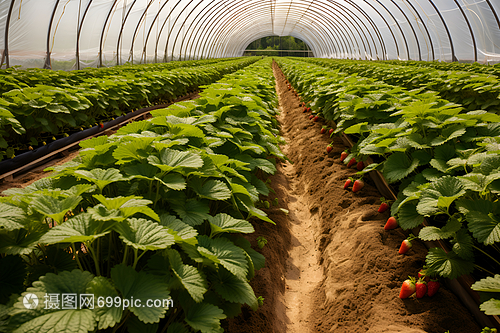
{"points": [[444, 161], [472, 91], [16, 78], [448, 66], [30, 116], [155, 211]]}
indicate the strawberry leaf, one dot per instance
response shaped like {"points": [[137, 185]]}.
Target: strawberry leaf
{"points": [[398, 166], [144, 235], [193, 212], [224, 252], [489, 284], [106, 316], [437, 198], [189, 276], [211, 189], [484, 220], [432, 233], [224, 223], [408, 217], [101, 177], [205, 318], [234, 289], [11, 217], [141, 286], [491, 307], [448, 265], [54, 207], [81, 228], [463, 245]]}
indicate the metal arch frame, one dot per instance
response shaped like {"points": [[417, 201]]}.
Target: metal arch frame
{"points": [[170, 32], [375, 28], [412, 29], [494, 12], [47, 64], [425, 26], [345, 45], [322, 32], [311, 38], [5, 54], [470, 30], [453, 57], [205, 16], [80, 25], [195, 19], [121, 32], [179, 32], [149, 32], [388, 26], [399, 27], [131, 52], [104, 29], [366, 28]]}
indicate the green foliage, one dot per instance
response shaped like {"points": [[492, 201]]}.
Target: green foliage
{"points": [[155, 211]]}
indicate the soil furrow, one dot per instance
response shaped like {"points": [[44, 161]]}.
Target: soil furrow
{"points": [[330, 266]]}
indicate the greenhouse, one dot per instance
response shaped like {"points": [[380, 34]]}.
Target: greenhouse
{"points": [[180, 166]]}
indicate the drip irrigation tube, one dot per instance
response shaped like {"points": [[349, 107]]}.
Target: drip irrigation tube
{"points": [[34, 157]]}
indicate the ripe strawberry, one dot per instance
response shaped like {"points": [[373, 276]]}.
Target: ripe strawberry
{"points": [[351, 162], [360, 166], [408, 288], [347, 183], [316, 118], [305, 110], [101, 125], [406, 244], [391, 223], [432, 287], [311, 116], [343, 155], [383, 207], [421, 288], [329, 149], [308, 109], [358, 185], [323, 130], [330, 131]]}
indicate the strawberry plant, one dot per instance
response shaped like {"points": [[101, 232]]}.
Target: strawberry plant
{"points": [[155, 211]]}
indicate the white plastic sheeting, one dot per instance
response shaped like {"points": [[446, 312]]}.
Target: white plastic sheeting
{"points": [[68, 34]]}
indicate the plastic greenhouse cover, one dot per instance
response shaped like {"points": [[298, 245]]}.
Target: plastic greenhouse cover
{"points": [[70, 34]]}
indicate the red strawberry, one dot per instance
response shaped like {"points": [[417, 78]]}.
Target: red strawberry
{"points": [[329, 149], [383, 207], [316, 118], [323, 130], [391, 223], [358, 185], [360, 166], [421, 288], [343, 155], [311, 116], [305, 110], [308, 109], [408, 288], [351, 162], [406, 244], [101, 125], [432, 287], [330, 131], [347, 183]]}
